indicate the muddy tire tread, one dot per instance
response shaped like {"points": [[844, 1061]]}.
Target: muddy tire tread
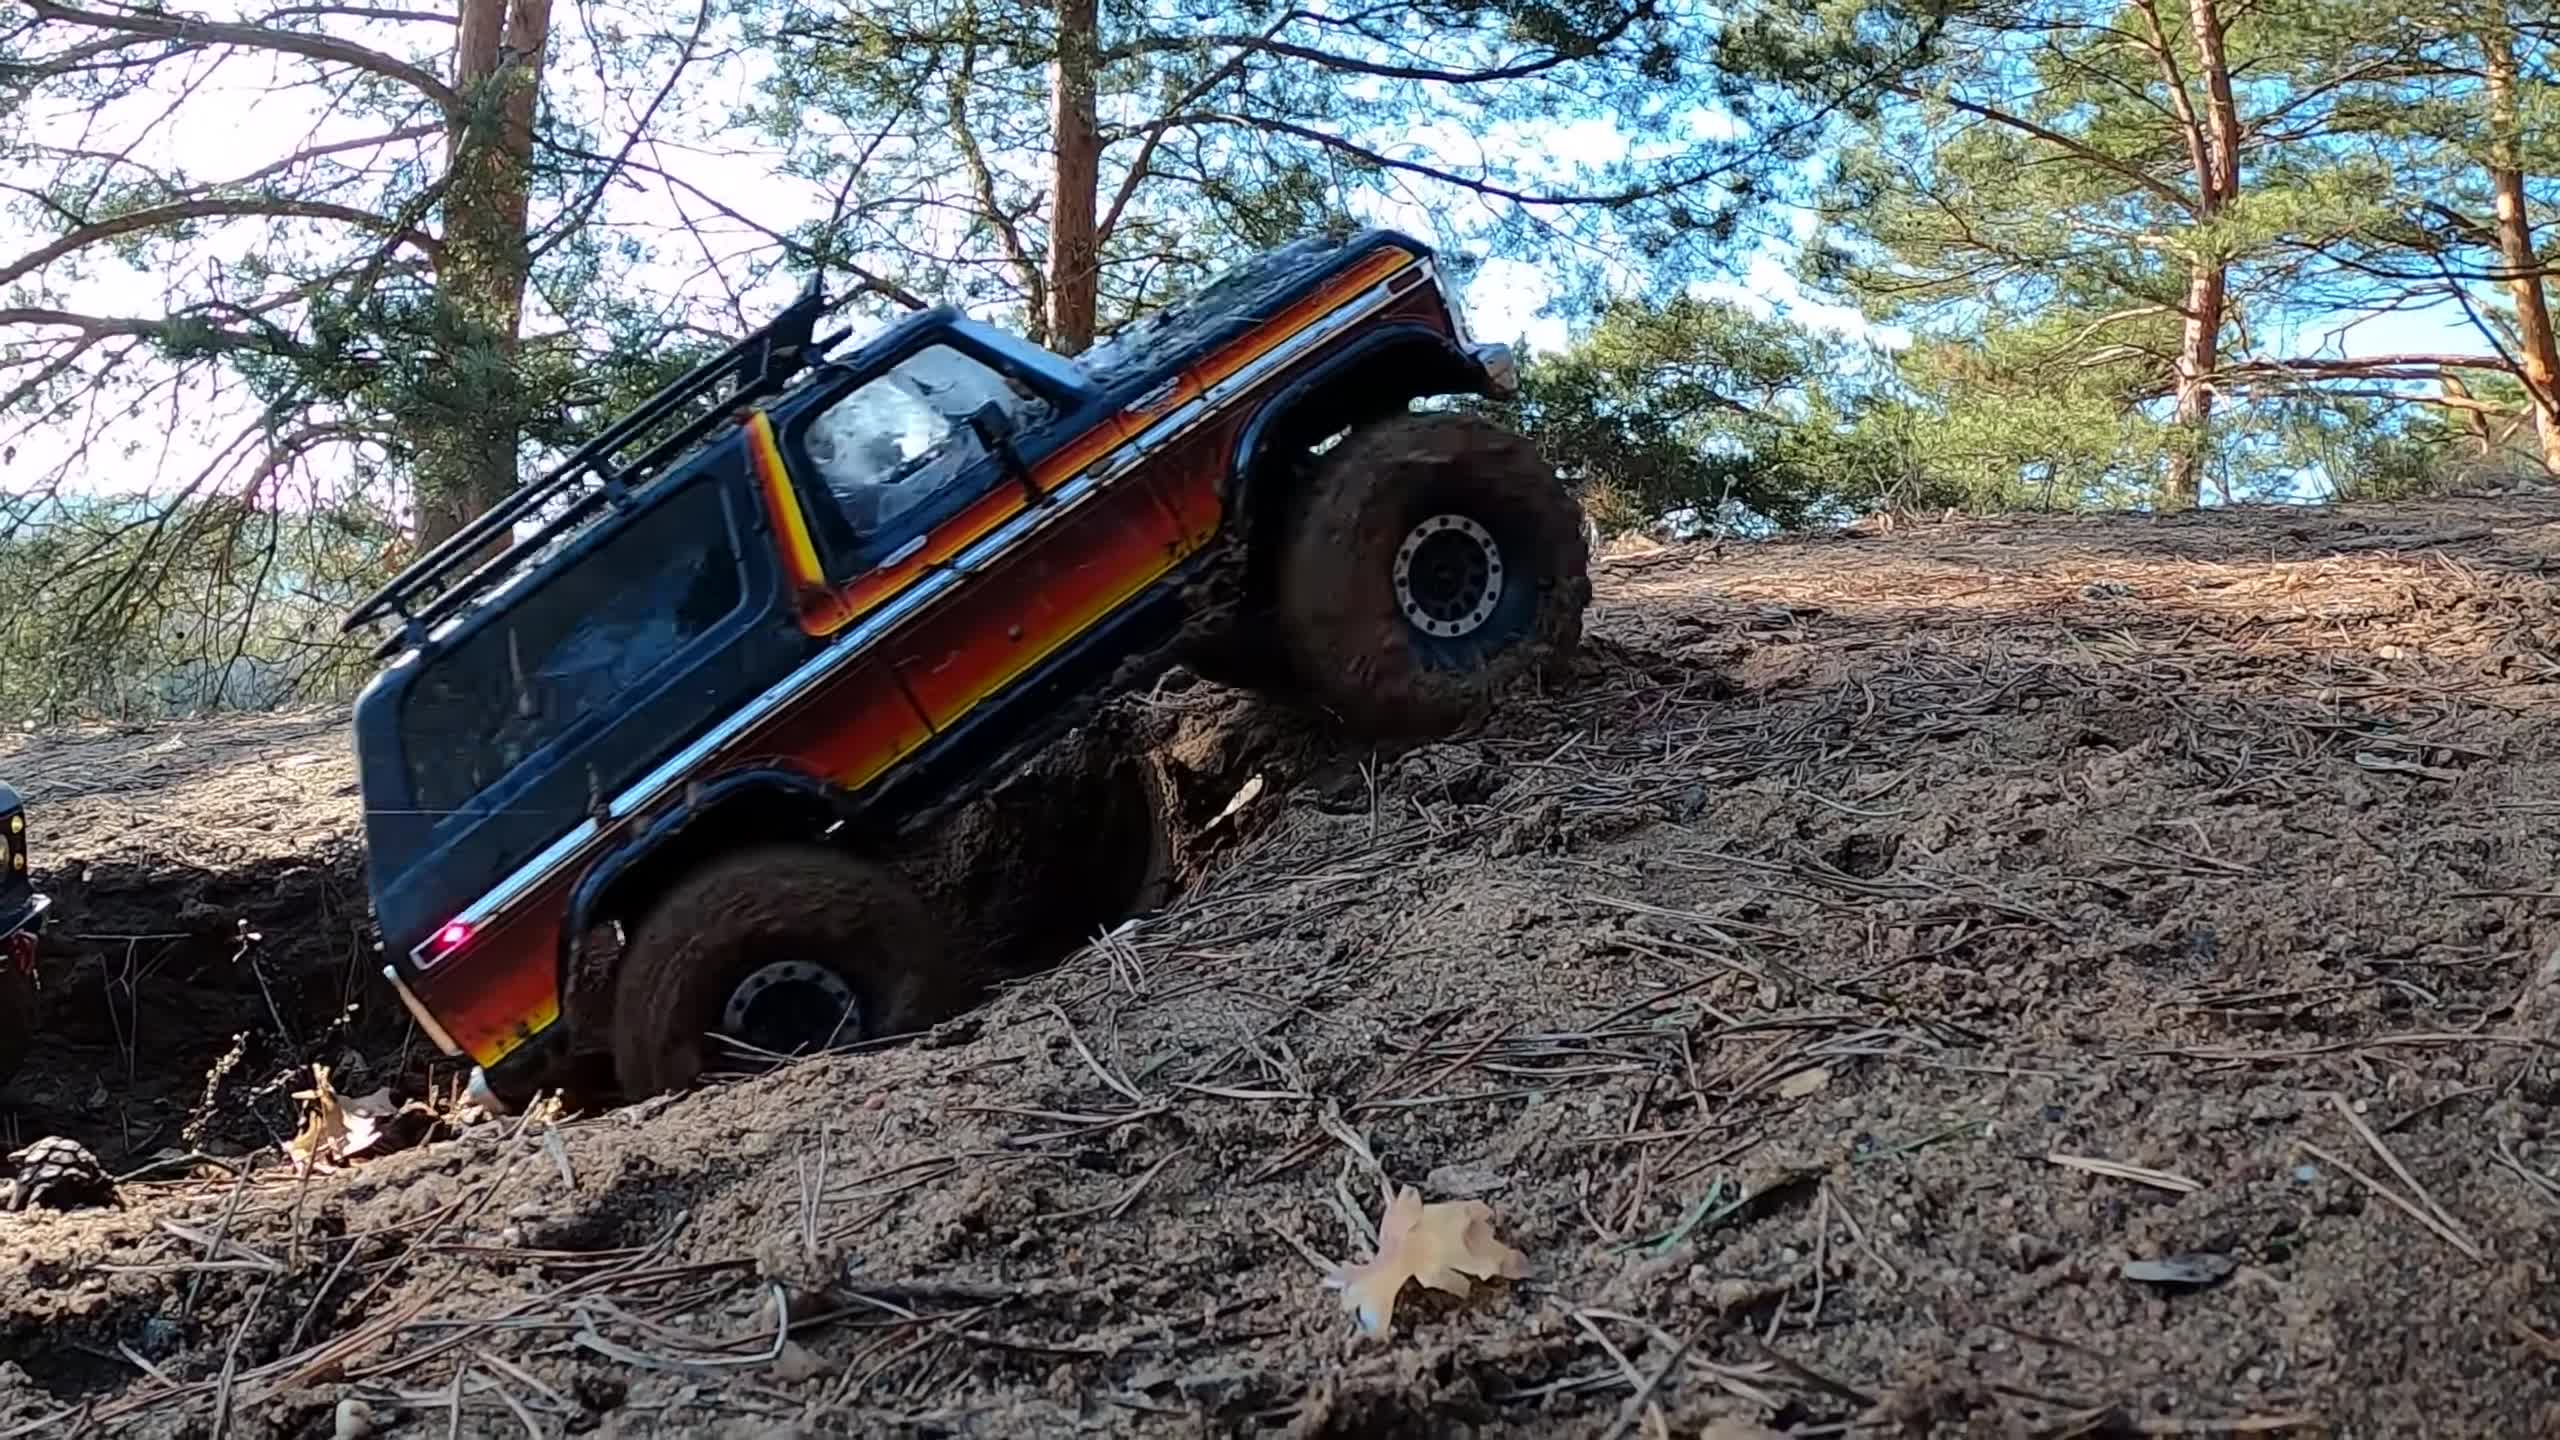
{"points": [[672, 974], [1336, 617]]}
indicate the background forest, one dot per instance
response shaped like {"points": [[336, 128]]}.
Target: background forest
{"points": [[285, 289]]}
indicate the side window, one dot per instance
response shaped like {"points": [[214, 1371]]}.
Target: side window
{"points": [[903, 437], [572, 649]]}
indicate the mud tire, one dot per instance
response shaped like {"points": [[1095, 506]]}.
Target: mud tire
{"points": [[858, 920], [1338, 616], [1142, 827]]}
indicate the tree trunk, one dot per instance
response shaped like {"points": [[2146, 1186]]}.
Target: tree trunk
{"points": [[2199, 355], [470, 413], [1075, 279], [2538, 354], [2200, 339]]}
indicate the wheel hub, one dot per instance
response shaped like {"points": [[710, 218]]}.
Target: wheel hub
{"points": [[790, 1006], [1448, 576]]}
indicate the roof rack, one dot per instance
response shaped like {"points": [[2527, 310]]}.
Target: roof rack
{"points": [[761, 364]]}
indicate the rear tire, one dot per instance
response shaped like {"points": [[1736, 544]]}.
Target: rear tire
{"points": [[1432, 562], [791, 948]]}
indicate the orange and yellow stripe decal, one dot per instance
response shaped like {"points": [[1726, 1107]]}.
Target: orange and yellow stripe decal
{"points": [[782, 506], [825, 609], [1079, 579], [502, 990]]}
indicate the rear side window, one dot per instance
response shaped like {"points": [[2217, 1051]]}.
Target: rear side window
{"points": [[570, 649]]}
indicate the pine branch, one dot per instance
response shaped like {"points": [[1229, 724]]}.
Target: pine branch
{"points": [[189, 31], [1268, 44], [2055, 138]]}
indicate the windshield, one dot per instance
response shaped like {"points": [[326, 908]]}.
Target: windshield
{"points": [[904, 434]]}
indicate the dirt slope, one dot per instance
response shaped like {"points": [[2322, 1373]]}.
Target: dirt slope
{"points": [[210, 916], [1887, 941]]}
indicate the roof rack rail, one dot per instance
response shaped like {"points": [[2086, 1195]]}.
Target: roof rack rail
{"points": [[761, 364]]}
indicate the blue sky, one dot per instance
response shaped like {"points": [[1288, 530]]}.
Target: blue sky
{"points": [[239, 120]]}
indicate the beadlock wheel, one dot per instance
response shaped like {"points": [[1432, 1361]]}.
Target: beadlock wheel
{"points": [[790, 1006], [1448, 576], [1429, 562]]}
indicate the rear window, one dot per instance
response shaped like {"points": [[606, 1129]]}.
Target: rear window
{"points": [[569, 650]]}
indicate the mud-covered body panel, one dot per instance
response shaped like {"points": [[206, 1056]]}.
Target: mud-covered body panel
{"points": [[887, 686]]}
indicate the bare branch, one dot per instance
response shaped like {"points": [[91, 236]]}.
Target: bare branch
{"points": [[362, 12], [1153, 134], [207, 208], [100, 327], [1479, 186], [574, 218], [333, 147], [1034, 284], [191, 31], [2403, 367]]}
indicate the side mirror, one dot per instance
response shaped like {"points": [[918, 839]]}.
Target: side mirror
{"points": [[993, 424]]}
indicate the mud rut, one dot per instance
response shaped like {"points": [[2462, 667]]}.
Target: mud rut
{"points": [[186, 996], [1881, 946]]}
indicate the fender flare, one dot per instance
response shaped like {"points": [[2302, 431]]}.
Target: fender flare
{"points": [[1268, 415], [652, 841]]}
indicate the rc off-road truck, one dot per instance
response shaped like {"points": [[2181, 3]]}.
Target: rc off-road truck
{"points": [[21, 922], [683, 699]]}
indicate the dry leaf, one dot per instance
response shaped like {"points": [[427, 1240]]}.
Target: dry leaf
{"points": [[1804, 1082], [1439, 1244], [337, 1129], [797, 1363], [326, 1127]]}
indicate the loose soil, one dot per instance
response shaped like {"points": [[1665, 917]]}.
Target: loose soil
{"points": [[2024, 977]]}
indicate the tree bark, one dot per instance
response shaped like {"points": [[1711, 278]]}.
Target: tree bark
{"points": [[1075, 279], [2538, 354], [470, 413], [2199, 353], [2216, 145]]}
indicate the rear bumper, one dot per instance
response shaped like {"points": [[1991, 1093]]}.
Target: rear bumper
{"points": [[1501, 369], [419, 1012]]}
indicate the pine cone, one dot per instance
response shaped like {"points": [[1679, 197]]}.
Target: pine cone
{"points": [[57, 1173]]}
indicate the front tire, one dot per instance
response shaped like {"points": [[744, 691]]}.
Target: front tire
{"points": [[1433, 561], [787, 948]]}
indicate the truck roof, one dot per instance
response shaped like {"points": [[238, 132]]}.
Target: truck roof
{"points": [[603, 473]]}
